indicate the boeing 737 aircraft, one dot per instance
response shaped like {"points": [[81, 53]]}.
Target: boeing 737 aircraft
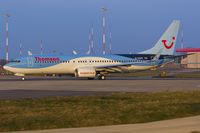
{"points": [[94, 66]]}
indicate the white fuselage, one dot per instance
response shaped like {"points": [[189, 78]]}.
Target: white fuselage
{"points": [[70, 66]]}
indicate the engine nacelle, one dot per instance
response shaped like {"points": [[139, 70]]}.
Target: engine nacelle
{"points": [[86, 72]]}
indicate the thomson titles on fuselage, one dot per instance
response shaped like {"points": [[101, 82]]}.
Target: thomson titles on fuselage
{"points": [[47, 59]]}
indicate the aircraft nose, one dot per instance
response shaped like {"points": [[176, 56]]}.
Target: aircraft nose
{"points": [[6, 67]]}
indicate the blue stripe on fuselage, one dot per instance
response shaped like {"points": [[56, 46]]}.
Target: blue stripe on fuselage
{"points": [[32, 61]]}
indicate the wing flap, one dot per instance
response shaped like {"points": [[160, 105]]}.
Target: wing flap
{"points": [[113, 67]]}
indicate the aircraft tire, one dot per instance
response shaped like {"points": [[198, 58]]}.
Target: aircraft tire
{"points": [[23, 78], [102, 77]]}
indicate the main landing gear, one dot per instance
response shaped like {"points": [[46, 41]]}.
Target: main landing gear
{"points": [[101, 77]]}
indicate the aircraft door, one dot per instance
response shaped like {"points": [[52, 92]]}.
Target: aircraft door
{"points": [[29, 62]]}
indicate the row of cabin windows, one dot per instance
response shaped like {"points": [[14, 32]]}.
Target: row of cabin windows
{"points": [[110, 61], [15, 61], [96, 61]]}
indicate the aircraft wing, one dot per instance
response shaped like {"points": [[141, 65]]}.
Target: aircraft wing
{"points": [[115, 67], [124, 66]]}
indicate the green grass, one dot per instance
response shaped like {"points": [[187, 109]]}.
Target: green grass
{"points": [[156, 73], [136, 74], [187, 75], [82, 111]]}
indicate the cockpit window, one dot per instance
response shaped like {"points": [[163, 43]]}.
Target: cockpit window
{"points": [[15, 61]]}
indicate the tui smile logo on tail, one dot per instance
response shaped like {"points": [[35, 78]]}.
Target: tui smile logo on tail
{"points": [[170, 46]]}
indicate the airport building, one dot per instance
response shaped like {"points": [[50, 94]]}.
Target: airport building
{"points": [[192, 59]]}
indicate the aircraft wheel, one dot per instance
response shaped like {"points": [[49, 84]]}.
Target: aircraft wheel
{"points": [[102, 77], [23, 78]]}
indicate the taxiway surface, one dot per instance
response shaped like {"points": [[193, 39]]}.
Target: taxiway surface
{"points": [[33, 87]]}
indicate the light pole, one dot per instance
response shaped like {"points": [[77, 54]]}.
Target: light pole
{"points": [[7, 15], [103, 10], [92, 42], [110, 40], [41, 48], [20, 46]]}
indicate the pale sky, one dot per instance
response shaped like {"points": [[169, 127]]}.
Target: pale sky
{"points": [[63, 25]]}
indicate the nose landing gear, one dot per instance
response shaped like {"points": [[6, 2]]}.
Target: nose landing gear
{"points": [[22, 78]]}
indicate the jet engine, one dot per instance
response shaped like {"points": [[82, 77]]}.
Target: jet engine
{"points": [[86, 72]]}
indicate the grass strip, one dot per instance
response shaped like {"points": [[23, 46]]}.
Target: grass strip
{"points": [[96, 110], [136, 74], [187, 75]]}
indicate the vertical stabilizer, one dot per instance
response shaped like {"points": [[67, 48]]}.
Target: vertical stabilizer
{"points": [[167, 41]]}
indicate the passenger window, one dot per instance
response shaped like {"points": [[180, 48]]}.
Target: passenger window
{"points": [[15, 61]]}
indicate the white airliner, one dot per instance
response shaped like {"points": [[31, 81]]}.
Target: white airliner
{"points": [[91, 66]]}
